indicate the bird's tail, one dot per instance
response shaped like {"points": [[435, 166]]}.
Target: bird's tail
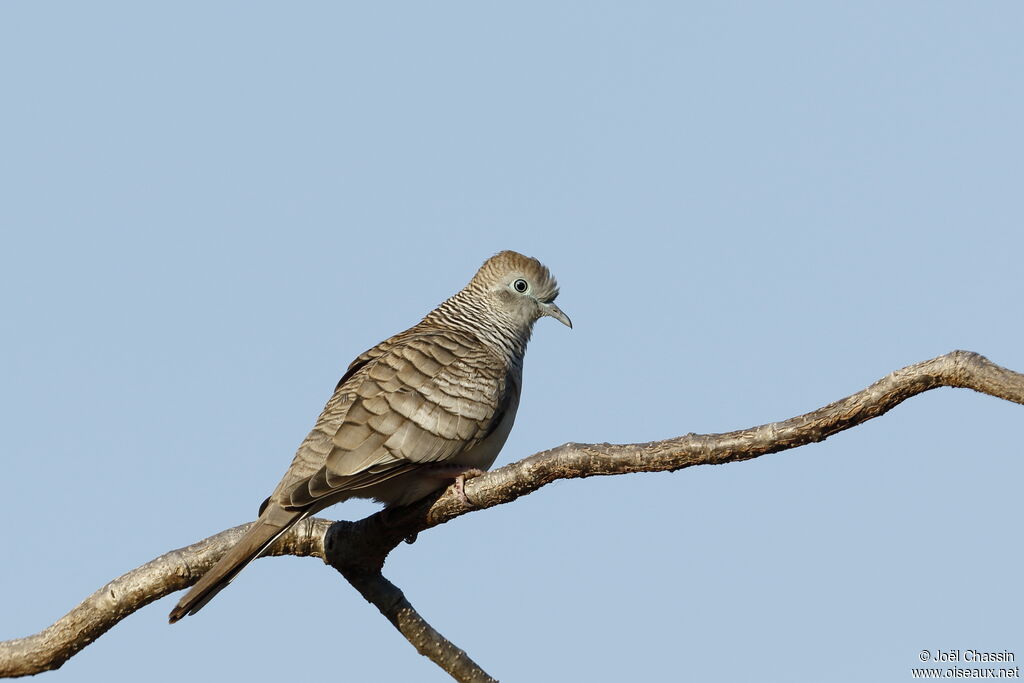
{"points": [[272, 523]]}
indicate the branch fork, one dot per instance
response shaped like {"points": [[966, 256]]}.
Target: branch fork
{"points": [[358, 549]]}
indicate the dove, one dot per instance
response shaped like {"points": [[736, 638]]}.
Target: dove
{"points": [[426, 407]]}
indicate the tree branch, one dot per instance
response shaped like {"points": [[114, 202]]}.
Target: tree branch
{"points": [[357, 555], [358, 549]]}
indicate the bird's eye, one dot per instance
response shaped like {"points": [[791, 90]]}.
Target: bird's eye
{"points": [[521, 285]]}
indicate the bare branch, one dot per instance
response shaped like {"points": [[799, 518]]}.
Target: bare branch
{"points": [[367, 542], [170, 572], [361, 565]]}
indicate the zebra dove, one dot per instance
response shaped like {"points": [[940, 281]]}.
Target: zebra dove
{"points": [[428, 405]]}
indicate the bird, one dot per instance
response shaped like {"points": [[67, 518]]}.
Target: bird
{"points": [[429, 405]]}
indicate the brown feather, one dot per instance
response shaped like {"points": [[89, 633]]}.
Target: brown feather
{"points": [[273, 522], [436, 398]]}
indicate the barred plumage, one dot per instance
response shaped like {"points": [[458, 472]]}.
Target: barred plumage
{"points": [[412, 412]]}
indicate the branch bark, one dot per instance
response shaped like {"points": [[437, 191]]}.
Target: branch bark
{"points": [[358, 549]]}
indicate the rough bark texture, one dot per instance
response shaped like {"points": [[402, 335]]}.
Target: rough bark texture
{"points": [[358, 549]]}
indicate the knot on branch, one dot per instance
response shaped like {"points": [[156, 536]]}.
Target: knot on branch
{"points": [[347, 549], [362, 546]]}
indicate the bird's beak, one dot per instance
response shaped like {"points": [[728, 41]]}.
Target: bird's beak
{"points": [[555, 312]]}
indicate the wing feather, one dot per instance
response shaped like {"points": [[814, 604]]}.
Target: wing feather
{"points": [[406, 403]]}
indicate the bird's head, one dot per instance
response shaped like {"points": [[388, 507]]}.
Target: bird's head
{"points": [[520, 288]]}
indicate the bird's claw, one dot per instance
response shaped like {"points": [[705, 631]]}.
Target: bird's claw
{"points": [[460, 485]]}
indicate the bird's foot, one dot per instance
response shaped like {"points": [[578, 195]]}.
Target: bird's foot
{"points": [[460, 485], [459, 473]]}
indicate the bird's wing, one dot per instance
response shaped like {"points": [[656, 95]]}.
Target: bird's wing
{"points": [[371, 354], [419, 399]]}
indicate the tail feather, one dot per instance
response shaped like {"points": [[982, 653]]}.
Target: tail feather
{"points": [[274, 522]]}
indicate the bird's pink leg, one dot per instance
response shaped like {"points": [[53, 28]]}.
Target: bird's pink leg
{"points": [[460, 474], [460, 484]]}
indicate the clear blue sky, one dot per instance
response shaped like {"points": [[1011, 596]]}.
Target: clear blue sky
{"points": [[753, 209]]}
